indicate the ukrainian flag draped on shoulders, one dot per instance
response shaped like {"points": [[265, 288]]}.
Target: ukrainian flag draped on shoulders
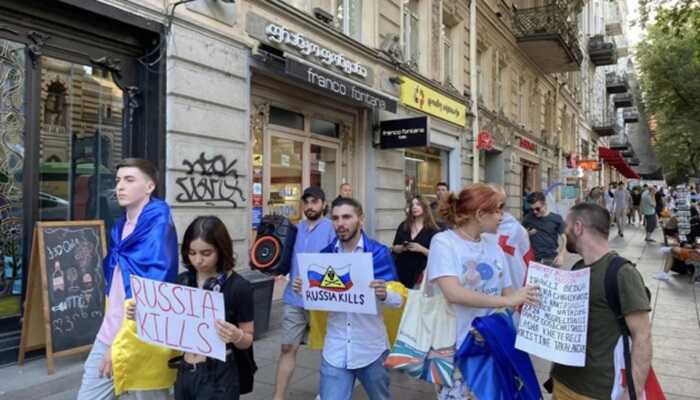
{"points": [[384, 269], [150, 251]]}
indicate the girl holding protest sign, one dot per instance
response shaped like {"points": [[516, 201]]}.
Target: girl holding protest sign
{"points": [[470, 271], [207, 251]]}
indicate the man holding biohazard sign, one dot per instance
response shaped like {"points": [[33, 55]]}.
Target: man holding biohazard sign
{"points": [[351, 278]]}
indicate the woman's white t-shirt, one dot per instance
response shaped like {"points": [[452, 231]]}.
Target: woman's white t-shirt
{"points": [[479, 266]]}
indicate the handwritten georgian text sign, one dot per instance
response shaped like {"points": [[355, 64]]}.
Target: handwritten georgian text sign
{"points": [[338, 282], [179, 317], [556, 328]]}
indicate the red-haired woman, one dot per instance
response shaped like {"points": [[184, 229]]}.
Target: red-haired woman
{"points": [[470, 272]]}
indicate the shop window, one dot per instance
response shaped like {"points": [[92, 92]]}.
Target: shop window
{"points": [[12, 115], [410, 31], [286, 118], [424, 168], [348, 17], [75, 130], [325, 128]]}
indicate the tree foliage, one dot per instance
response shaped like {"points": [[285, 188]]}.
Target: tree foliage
{"points": [[678, 14], [669, 63]]}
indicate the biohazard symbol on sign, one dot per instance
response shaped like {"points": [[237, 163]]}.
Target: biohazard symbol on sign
{"points": [[331, 280]]}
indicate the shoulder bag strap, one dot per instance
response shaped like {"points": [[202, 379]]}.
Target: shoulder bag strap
{"points": [[612, 295]]}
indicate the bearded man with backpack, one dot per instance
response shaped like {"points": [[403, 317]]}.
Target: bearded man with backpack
{"points": [[618, 309]]}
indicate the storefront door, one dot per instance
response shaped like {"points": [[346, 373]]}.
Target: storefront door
{"points": [[297, 161], [71, 107]]}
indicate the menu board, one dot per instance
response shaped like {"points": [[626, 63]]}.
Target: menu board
{"points": [[66, 287]]}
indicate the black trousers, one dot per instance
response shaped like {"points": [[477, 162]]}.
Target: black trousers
{"points": [[209, 380]]}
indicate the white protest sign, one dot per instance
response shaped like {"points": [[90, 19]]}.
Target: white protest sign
{"points": [[556, 328], [338, 282], [179, 317]]}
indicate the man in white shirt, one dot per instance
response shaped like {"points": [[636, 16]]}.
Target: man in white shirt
{"points": [[356, 345], [620, 205]]}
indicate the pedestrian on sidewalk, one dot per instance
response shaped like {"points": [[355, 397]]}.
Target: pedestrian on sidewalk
{"points": [[313, 234], [610, 198], [587, 230], [143, 243], [546, 230], [442, 191], [470, 271], [636, 203], [621, 205], [648, 209], [412, 241], [207, 254], [356, 345]]}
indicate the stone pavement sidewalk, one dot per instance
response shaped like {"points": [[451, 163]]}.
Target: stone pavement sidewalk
{"points": [[676, 330]]}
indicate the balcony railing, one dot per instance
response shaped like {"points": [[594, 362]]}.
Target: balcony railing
{"points": [[619, 143], [601, 52], [548, 37], [606, 126], [616, 83], [630, 116], [622, 100], [633, 162]]}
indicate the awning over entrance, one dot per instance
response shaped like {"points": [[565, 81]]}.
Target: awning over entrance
{"points": [[614, 158]]}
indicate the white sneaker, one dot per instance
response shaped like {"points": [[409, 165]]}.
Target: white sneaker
{"points": [[662, 276]]}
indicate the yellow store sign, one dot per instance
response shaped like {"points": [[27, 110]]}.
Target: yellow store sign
{"points": [[421, 97]]}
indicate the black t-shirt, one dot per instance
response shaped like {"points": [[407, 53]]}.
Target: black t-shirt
{"points": [[545, 242], [409, 265], [238, 299]]}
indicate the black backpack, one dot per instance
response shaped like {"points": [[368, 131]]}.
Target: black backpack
{"points": [[612, 295]]}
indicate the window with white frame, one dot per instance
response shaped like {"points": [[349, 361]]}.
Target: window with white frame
{"points": [[410, 30], [499, 86], [348, 17], [447, 55]]}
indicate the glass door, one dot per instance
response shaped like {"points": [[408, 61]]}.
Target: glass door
{"points": [[80, 142], [285, 178], [12, 127], [324, 168]]}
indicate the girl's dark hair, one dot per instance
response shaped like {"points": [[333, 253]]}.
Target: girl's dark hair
{"points": [[428, 220], [211, 230]]}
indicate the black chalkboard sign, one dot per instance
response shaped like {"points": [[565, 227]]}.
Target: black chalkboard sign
{"points": [[68, 258]]}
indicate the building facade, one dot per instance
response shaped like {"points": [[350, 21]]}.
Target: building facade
{"points": [[243, 104]]}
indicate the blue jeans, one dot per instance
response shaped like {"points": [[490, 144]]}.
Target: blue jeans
{"points": [[338, 383]]}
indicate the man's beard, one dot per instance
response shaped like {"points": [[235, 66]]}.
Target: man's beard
{"points": [[571, 244], [312, 215], [350, 236]]}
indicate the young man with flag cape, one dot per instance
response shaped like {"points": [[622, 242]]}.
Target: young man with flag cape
{"points": [[142, 243], [356, 345]]}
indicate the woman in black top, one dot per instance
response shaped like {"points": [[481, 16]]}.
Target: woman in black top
{"points": [[207, 252], [412, 241]]}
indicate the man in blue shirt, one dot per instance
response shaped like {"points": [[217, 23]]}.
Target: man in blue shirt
{"points": [[313, 234]]}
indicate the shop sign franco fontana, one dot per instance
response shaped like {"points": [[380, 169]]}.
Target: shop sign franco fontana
{"points": [[327, 82], [306, 47], [416, 95]]}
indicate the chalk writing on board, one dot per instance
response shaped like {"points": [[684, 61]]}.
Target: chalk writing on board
{"points": [[556, 328], [75, 284]]}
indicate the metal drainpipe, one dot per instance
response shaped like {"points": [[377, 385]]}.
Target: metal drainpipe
{"points": [[559, 132], [474, 86]]}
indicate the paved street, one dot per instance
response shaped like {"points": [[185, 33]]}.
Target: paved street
{"points": [[676, 331]]}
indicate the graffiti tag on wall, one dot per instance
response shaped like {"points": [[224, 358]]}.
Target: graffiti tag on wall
{"points": [[210, 180]]}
